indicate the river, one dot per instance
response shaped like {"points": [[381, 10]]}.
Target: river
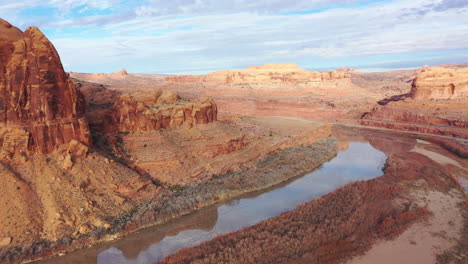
{"points": [[358, 160]]}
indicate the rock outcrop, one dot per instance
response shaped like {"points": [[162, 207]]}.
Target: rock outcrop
{"points": [[122, 72], [143, 110], [281, 73], [40, 109], [440, 83], [165, 110], [344, 69], [435, 105]]}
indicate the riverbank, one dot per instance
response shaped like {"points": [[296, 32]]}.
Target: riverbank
{"points": [[340, 225], [271, 169]]}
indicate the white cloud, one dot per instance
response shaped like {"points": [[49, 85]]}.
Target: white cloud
{"points": [[182, 35], [68, 5]]}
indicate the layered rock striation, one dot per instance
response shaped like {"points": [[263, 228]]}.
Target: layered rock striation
{"points": [[281, 73], [440, 83], [160, 110], [40, 109], [436, 104], [111, 110]]}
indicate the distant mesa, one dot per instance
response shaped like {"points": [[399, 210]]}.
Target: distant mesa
{"points": [[440, 83], [40, 109], [344, 69], [122, 72], [279, 73]]}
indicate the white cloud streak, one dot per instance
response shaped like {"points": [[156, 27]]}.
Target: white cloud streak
{"points": [[186, 35]]}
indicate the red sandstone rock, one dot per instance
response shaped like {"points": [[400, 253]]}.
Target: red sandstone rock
{"points": [[131, 114], [436, 104], [122, 72], [36, 95], [440, 83], [344, 69], [144, 110], [287, 73]]}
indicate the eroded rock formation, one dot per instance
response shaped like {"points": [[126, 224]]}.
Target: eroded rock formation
{"points": [[160, 110], [440, 83], [40, 109], [435, 105], [122, 72], [288, 73], [112, 110]]}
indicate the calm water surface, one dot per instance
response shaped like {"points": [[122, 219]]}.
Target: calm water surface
{"points": [[360, 161]]}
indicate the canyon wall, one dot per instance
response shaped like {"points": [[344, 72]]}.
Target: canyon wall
{"points": [[436, 104], [440, 83], [110, 110], [40, 109], [132, 114], [281, 73]]}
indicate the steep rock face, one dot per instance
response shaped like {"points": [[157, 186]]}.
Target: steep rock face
{"points": [[435, 105], [135, 115], [440, 83], [143, 110], [281, 73], [36, 95], [122, 72]]}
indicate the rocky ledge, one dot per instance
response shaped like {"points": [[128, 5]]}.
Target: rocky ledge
{"points": [[159, 110], [440, 83], [435, 105]]}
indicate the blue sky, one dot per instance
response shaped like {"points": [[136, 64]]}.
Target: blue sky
{"points": [[199, 36]]}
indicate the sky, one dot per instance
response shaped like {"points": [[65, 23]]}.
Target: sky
{"points": [[200, 36]]}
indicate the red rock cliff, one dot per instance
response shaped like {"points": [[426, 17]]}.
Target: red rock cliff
{"points": [[440, 83], [436, 105], [280, 73], [163, 109], [36, 96]]}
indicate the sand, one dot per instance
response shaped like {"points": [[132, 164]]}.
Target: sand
{"points": [[422, 241]]}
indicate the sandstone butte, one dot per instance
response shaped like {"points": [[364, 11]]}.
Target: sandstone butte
{"points": [[436, 104], [160, 109], [135, 115], [122, 72], [269, 73], [440, 83], [111, 111], [40, 109]]}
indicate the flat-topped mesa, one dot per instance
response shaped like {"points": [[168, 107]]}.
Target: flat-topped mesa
{"points": [[281, 73], [123, 72], [440, 83], [344, 69], [161, 109], [40, 109]]}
